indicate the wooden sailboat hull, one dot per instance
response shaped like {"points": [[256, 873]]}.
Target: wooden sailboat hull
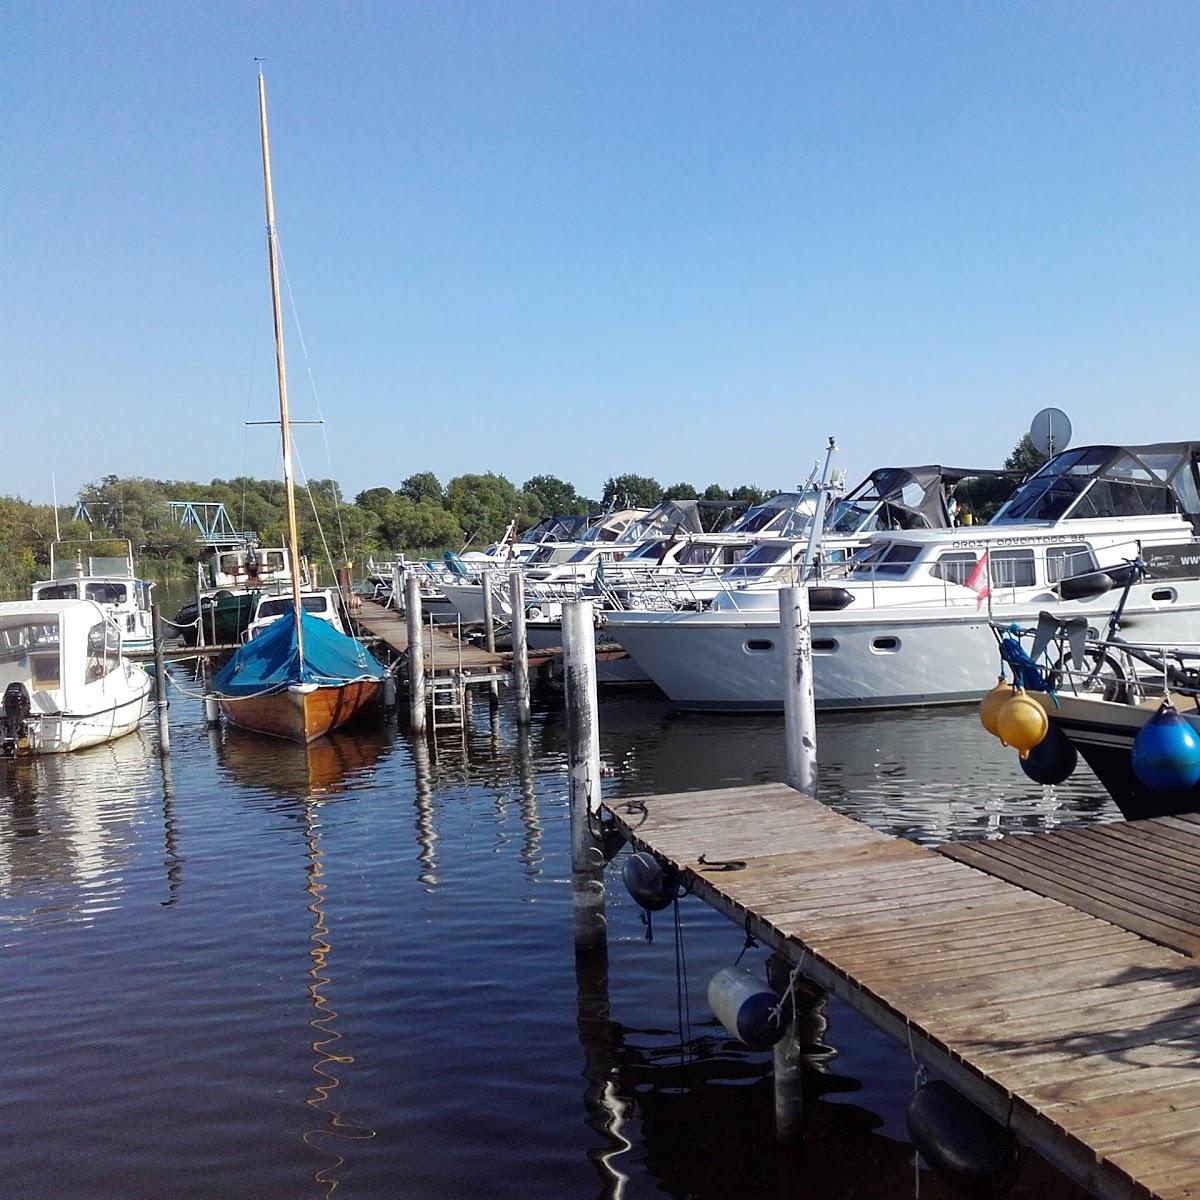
{"points": [[303, 712]]}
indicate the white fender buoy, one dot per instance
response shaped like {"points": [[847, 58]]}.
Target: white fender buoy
{"points": [[747, 1007], [212, 710]]}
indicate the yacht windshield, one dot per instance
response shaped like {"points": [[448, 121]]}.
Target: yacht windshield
{"points": [[1105, 481], [760, 560]]}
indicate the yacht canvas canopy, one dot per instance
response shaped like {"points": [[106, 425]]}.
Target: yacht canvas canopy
{"points": [[903, 498], [1110, 481]]}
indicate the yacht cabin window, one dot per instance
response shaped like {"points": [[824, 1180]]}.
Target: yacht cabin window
{"points": [[106, 593], [58, 591], [284, 604], [1064, 561], [1011, 568], [889, 558], [955, 566], [764, 556]]}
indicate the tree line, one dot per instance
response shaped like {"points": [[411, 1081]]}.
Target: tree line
{"points": [[419, 517]]}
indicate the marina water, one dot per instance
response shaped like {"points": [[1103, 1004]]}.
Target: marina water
{"points": [[266, 972]]}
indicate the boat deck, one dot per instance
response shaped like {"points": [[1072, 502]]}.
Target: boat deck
{"points": [[1076, 1029]]}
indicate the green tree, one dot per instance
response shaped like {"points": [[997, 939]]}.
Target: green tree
{"points": [[1026, 457], [484, 505], [632, 491], [424, 485], [375, 499], [681, 491], [555, 496], [419, 527], [749, 494]]}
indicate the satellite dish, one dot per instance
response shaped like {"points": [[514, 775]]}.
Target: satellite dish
{"points": [[1050, 431]]}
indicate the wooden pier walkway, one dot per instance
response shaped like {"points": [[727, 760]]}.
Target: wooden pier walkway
{"points": [[1070, 1026], [442, 649], [1141, 875]]}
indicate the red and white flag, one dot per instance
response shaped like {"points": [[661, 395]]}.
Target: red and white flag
{"points": [[980, 580]]}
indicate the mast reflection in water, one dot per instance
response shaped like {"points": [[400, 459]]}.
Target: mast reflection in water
{"points": [[405, 918]]}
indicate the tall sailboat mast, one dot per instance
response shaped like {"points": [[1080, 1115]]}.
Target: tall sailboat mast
{"points": [[293, 539]]}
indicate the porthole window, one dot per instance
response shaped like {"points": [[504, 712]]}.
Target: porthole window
{"points": [[824, 645], [885, 645], [759, 645]]}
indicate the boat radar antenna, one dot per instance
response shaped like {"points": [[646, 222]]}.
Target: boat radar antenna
{"points": [[1050, 431]]}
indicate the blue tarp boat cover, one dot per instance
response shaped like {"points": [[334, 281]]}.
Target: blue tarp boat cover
{"points": [[271, 661]]}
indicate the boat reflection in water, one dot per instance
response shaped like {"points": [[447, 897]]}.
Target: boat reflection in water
{"points": [[330, 765], [68, 821], [932, 775]]}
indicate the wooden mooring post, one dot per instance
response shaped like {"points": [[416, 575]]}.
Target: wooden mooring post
{"points": [[416, 653], [489, 633], [520, 648], [799, 713], [160, 683], [583, 765]]}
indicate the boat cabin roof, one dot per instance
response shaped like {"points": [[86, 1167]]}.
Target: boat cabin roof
{"points": [[1092, 482], [903, 498], [56, 648]]}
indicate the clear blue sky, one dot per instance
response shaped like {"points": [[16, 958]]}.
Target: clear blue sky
{"points": [[688, 240]]}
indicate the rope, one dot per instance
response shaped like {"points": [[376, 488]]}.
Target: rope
{"points": [[178, 625], [316, 397], [777, 1013], [751, 943], [173, 682]]}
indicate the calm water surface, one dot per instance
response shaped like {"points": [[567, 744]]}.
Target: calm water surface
{"points": [[274, 973]]}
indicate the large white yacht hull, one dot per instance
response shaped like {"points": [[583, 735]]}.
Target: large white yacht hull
{"points": [[547, 635], [902, 658]]}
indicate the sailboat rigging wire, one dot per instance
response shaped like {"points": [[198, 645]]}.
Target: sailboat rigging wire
{"points": [[361, 649], [312, 383]]}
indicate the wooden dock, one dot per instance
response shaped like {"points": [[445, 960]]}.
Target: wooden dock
{"points": [[1055, 1010], [444, 653]]}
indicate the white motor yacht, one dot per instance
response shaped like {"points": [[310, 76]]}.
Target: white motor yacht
{"points": [[908, 621]]}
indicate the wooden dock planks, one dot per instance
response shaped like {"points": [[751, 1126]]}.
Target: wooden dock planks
{"points": [[442, 649], [1075, 1028], [1141, 875]]}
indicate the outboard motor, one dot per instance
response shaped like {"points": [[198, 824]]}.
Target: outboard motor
{"points": [[14, 718]]}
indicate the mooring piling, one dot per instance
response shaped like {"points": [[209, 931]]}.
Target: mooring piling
{"points": [[160, 683], [416, 653], [800, 721], [199, 609], [393, 601], [489, 632], [520, 648], [583, 765], [787, 1055]]}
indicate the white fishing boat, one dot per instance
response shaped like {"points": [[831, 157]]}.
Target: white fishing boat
{"points": [[908, 622], [64, 684], [109, 580]]}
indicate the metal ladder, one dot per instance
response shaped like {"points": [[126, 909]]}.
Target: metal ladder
{"points": [[445, 695]]}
